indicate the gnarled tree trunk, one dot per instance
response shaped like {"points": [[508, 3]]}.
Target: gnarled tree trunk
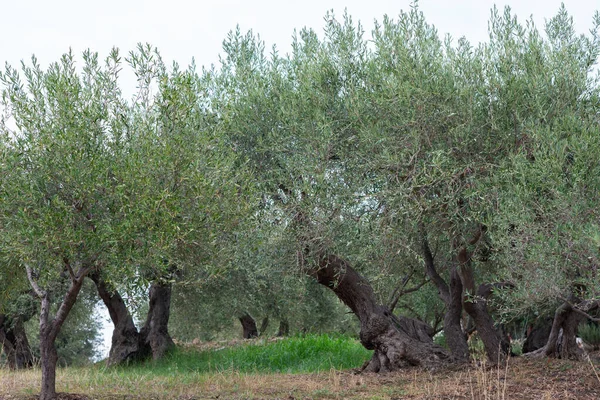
{"points": [[125, 344], [155, 332], [14, 342], [397, 341], [562, 340], [496, 344], [451, 294], [249, 329]]}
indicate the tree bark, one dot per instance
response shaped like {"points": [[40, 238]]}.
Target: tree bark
{"points": [[49, 358], [50, 327], [249, 329], [562, 340], [397, 341], [451, 294], [125, 344], [155, 332], [496, 345], [264, 325], [14, 342]]}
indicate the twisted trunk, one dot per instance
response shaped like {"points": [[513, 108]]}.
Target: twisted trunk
{"points": [[125, 343], [496, 344], [397, 342], [155, 332], [562, 340], [451, 294], [249, 329], [14, 342]]}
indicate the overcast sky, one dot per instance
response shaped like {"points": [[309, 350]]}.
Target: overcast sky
{"points": [[185, 29]]}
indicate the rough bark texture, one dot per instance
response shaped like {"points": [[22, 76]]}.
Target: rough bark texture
{"points": [[249, 329], [451, 294], [125, 344], [155, 332], [14, 342], [497, 347], [49, 358], [562, 340], [397, 341]]}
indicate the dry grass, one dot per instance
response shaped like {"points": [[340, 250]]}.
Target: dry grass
{"points": [[520, 379]]}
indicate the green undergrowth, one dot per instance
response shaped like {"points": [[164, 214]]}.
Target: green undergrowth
{"points": [[299, 354]]}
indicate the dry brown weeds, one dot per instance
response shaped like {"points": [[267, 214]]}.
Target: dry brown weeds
{"points": [[520, 379]]}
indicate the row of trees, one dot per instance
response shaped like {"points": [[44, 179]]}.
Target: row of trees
{"points": [[403, 173]]}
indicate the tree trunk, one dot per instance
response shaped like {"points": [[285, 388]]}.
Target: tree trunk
{"points": [[50, 328], [264, 325], [49, 358], [249, 329], [397, 341], [155, 332], [456, 339], [14, 342], [126, 344], [497, 347], [284, 328], [451, 295], [562, 340]]}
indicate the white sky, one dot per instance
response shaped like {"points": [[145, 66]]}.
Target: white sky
{"points": [[185, 29]]}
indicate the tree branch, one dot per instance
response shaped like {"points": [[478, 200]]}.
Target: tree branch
{"points": [[438, 281], [38, 291], [399, 292], [590, 305], [69, 268]]}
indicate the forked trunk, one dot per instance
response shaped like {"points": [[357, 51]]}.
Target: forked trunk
{"points": [[14, 343], [125, 344], [249, 329], [562, 340], [397, 342], [456, 339], [155, 332], [49, 328], [451, 294], [497, 347]]}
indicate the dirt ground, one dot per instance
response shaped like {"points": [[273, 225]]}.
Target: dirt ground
{"points": [[521, 378]]}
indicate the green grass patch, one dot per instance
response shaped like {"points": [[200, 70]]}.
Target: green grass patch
{"points": [[300, 354]]}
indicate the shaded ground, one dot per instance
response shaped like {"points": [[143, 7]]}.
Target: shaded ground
{"points": [[521, 379]]}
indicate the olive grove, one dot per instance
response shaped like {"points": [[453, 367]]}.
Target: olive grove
{"points": [[430, 184]]}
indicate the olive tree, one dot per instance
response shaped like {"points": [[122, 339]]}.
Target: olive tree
{"points": [[93, 185], [546, 224]]}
